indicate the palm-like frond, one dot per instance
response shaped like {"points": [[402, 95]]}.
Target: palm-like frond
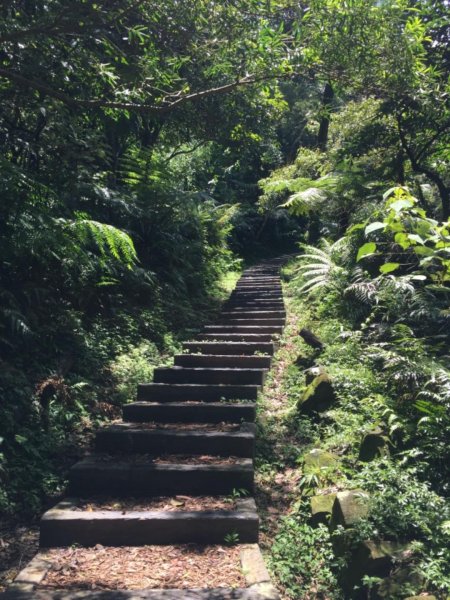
{"points": [[308, 193], [319, 267], [110, 240]]}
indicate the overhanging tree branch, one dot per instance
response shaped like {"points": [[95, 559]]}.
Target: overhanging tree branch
{"points": [[165, 106]]}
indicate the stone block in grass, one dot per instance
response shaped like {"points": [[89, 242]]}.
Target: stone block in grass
{"points": [[349, 507], [319, 396], [318, 459], [321, 507], [373, 445], [370, 558]]}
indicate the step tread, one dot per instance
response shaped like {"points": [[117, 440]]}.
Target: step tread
{"points": [[106, 462], [133, 429], [162, 594], [206, 412], [196, 391]]}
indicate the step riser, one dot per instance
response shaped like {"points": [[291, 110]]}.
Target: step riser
{"points": [[237, 337], [243, 329], [210, 376], [262, 289], [254, 307], [252, 322], [249, 362], [266, 279], [248, 348], [162, 392], [215, 444], [139, 481], [242, 313], [270, 303], [139, 531], [257, 289], [188, 413], [256, 296]]}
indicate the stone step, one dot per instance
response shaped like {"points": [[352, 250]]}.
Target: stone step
{"points": [[243, 329], [252, 301], [222, 360], [236, 337], [252, 321], [251, 593], [253, 306], [247, 348], [180, 412], [160, 392], [66, 524], [251, 295], [108, 475], [250, 314], [260, 277], [266, 289], [258, 286], [234, 376], [130, 437]]}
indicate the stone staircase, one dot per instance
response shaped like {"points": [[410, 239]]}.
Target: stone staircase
{"points": [[190, 432]]}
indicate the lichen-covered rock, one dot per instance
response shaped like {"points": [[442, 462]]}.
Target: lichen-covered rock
{"points": [[319, 396], [348, 508], [321, 507], [374, 444], [319, 459], [313, 372], [371, 558], [422, 597], [304, 362], [400, 582]]}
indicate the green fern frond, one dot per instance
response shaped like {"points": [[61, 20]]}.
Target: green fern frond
{"points": [[302, 202], [109, 240]]}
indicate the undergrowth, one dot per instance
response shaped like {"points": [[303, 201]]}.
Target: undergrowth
{"points": [[377, 386]]}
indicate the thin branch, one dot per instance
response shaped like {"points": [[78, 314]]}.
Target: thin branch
{"points": [[168, 106], [430, 142], [178, 151]]}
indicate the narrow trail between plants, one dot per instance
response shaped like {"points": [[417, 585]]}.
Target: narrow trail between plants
{"points": [[163, 507]]}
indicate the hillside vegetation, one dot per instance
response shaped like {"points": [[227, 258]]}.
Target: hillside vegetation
{"points": [[147, 151]]}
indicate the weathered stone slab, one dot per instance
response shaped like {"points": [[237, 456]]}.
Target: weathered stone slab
{"points": [[251, 321], [223, 361], [253, 566], [181, 412], [319, 459], [371, 558], [126, 437], [210, 375], [64, 525], [319, 396], [160, 392], [126, 478], [374, 444], [237, 337], [247, 348], [257, 592], [349, 507], [321, 508]]}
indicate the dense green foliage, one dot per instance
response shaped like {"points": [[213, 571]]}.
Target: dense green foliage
{"points": [[145, 147]]}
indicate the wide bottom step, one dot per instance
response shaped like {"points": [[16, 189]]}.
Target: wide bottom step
{"points": [[66, 524]]}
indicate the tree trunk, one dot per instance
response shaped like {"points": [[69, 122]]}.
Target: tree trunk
{"points": [[327, 99], [417, 167]]}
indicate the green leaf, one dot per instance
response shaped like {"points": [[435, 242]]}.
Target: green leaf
{"points": [[374, 227], [389, 267], [366, 250], [399, 205]]}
